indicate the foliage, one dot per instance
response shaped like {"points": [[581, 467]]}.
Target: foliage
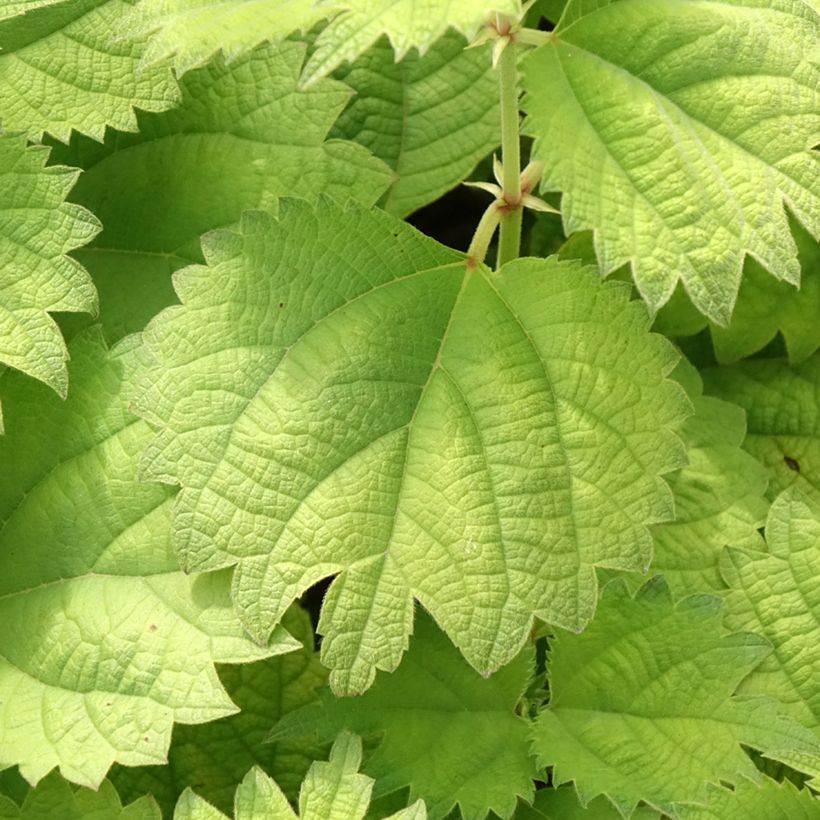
{"points": [[265, 445]]}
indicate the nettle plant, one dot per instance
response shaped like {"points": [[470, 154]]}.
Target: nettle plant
{"points": [[305, 513]]}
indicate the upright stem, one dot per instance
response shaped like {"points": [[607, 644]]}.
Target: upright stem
{"points": [[509, 243]]}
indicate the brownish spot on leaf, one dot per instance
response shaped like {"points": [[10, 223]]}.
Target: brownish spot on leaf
{"points": [[792, 464]]}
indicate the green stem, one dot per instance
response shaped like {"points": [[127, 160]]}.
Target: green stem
{"points": [[484, 234], [509, 243]]}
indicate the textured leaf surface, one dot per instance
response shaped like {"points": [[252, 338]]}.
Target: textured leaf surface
{"points": [[691, 126], [37, 229], [765, 307], [642, 704], [719, 496], [53, 798], [332, 790], [104, 642], [429, 711], [193, 31], [782, 405], [777, 594], [431, 118], [60, 69], [563, 804], [340, 394], [769, 801], [214, 757], [242, 137]]}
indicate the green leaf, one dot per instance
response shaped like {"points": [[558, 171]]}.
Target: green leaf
{"points": [[562, 804], [769, 801], [431, 118], [691, 124], [193, 31], [777, 594], [642, 703], [720, 496], [339, 394], [55, 798], [331, 791], [429, 711], [765, 307], [37, 230], [782, 407], [60, 70], [104, 642], [408, 24], [214, 757], [242, 137]]}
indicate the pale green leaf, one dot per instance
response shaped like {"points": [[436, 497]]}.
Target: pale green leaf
{"points": [[431, 118], [563, 804], [339, 394], [104, 642], [642, 704], [242, 137], [408, 24], [720, 496], [37, 230], [782, 405], [777, 594], [332, 790], [428, 712], [193, 31], [60, 70], [54, 799], [769, 801], [691, 125], [214, 757], [765, 307]]}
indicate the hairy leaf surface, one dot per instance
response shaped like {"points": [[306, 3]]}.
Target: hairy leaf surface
{"points": [[104, 642], [331, 791], [777, 594], [339, 394], [429, 711], [54, 799], [769, 801], [215, 757], [765, 307], [782, 405], [691, 124], [719, 495], [37, 230], [60, 69], [431, 118], [242, 137], [642, 704]]}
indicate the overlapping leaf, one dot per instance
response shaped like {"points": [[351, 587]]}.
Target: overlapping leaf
{"points": [[719, 495], [407, 23], [60, 70], [242, 137], [642, 704], [331, 791], [765, 307], [54, 798], [769, 801], [104, 642], [430, 119], [429, 711], [214, 757], [563, 804], [37, 230], [782, 405], [339, 394], [193, 30], [777, 594], [691, 124]]}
